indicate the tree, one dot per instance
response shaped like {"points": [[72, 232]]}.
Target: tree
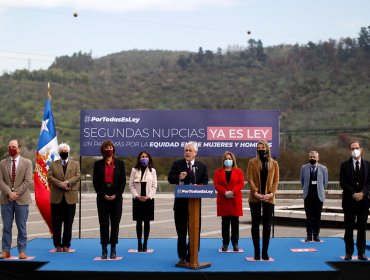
{"points": [[183, 61], [78, 62], [346, 48], [260, 53], [364, 39]]}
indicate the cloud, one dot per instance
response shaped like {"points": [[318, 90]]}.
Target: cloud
{"points": [[121, 5]]}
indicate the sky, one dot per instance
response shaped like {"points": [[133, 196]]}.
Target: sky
{"points": [[35, 32]]}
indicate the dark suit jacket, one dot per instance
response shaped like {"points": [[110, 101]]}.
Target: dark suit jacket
{"points": [[346, 179], [56, 176], [201, 178], [119, 178]]}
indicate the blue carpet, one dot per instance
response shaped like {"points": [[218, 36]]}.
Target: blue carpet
{"points": [[164, 257]]}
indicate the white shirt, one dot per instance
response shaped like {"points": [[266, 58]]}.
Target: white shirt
{"points": [[354, 163], [16, 162]]}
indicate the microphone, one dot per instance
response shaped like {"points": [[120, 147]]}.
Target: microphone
{"points": [[195, 175]]}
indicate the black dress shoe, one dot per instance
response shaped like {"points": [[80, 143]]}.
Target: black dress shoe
{"points": [[347, 257], [224, 248], [308, 239], [316, 239], [235, 248], [182, 262], [362, 257]]}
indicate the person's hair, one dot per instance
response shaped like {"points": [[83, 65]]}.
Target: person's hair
{"points": [[267, 147], [316, 153], [232, 157], [354, 141], [62, 146], [192, 144], [138, 163], [105, 144], [18, 142]]}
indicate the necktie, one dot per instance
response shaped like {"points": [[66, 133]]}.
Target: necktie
{"points": [[189, 167], [357, 170], [313, 169], [13, 172], [64, 163]]}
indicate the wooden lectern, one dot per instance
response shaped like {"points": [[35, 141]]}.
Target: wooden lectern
{"points": [[194, 204]]}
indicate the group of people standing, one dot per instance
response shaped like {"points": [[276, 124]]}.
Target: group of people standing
{"points": [[354, 179], [262, 178], [109, 181]]}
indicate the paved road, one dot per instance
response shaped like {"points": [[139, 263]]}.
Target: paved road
{"points": [[163, 225]]}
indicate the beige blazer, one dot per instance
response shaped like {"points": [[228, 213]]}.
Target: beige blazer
{"points": [[56, 176], [135, 182], [254, 179], [23, 180]]}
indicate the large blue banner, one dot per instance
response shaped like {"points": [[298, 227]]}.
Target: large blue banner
{"points": [[163, 133]]}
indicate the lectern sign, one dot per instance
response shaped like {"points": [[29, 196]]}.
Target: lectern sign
{"points": [[193, 191]]}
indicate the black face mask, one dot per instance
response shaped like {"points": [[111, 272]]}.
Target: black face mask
{"points": [[261, 153], [63, 156], [312, 161]]}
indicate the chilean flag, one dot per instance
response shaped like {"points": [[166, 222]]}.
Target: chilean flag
{"points": [[47, 151]]}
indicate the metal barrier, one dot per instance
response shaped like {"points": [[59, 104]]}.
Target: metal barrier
{"points": [[165, 187]]}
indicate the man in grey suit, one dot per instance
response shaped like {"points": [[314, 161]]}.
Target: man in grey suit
{"points": [[63, 176], [15, 181], [314, 180]]}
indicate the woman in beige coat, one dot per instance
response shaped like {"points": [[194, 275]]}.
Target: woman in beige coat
{"points": [[263, 179], [143, 186]]}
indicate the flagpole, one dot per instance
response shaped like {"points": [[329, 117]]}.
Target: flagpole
{"points": [[47, 147], [49, 91], [80, 206]]}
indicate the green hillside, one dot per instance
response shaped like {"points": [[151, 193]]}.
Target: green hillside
{"points": [[321, 89]]}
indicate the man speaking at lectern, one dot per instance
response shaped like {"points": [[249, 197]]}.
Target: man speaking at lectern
{"points": [[186, 171]]}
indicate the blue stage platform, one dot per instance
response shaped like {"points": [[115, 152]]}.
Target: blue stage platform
{"points": [[310, 260]]}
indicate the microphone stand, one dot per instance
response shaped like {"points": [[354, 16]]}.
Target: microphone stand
{"points": [[195, 175]]}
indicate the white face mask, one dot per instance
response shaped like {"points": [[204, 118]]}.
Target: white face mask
{"points": [[356, 153]]}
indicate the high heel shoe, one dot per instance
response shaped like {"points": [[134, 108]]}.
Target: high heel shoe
{"points": [[145, 246], [104, 254], [139, 245], [113, 251]]}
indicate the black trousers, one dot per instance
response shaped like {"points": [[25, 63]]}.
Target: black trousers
{"points": [[62, 214], [313, 208], [109, 213], [181, 216], [355, 217], [261, 211], [226, 222]]}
